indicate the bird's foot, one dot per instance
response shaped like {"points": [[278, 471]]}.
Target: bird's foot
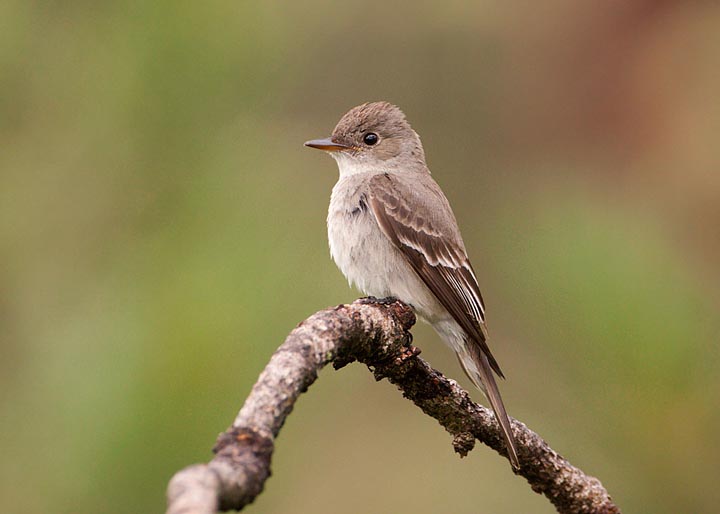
{"points": [[389, 300]]}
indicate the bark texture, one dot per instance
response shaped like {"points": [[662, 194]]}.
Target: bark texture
{"points": [[376, 333]]}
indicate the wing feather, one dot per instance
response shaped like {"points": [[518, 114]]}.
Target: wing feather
{"points": [[428, 237], [430, 240]]}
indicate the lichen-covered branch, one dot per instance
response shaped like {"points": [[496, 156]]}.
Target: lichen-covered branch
{"points": [[376, 333]]}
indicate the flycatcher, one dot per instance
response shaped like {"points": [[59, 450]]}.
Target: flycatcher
{"points": [[392, 233]]}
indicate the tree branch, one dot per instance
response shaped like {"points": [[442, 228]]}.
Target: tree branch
{"points": [[375, 333]]}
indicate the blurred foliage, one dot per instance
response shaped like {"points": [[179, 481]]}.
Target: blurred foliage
{"points": [[162, 229]]}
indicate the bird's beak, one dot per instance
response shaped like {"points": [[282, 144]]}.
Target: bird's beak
{"points": [[326, 144]]}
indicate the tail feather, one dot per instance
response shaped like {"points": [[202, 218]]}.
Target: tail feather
{"points": [[482, 376]]}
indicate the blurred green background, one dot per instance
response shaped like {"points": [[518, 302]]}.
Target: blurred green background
{"points": [[162, 229]]}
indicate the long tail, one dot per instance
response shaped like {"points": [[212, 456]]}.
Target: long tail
{"points": [[477, 368]]}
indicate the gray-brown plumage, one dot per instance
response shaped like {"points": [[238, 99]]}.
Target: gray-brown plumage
{"points": [[392, 233]]}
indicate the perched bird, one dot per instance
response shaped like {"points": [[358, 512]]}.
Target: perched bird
{"points": [[392, 233]]}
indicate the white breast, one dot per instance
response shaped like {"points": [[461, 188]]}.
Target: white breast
{"points": [[366, 256]]}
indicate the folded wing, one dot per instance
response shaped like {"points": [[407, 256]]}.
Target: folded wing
{"points": [[431, 242]]}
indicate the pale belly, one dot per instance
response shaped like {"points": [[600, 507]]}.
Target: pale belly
{"points": [[370, 261]]}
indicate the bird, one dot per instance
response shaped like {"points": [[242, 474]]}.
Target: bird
{"points": [[392, 233]]}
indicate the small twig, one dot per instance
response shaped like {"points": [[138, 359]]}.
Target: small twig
{"points": [[375, 333]]}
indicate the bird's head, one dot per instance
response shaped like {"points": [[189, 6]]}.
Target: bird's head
{"points": [[373, 137]]}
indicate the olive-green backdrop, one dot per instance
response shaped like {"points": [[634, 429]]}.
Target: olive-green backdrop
{"points": [[162, 228]]}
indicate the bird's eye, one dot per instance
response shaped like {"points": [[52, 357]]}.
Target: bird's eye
{"points": [[370, 138]]}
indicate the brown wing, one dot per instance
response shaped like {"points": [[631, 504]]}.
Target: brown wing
{"points": [[427, 234]]}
